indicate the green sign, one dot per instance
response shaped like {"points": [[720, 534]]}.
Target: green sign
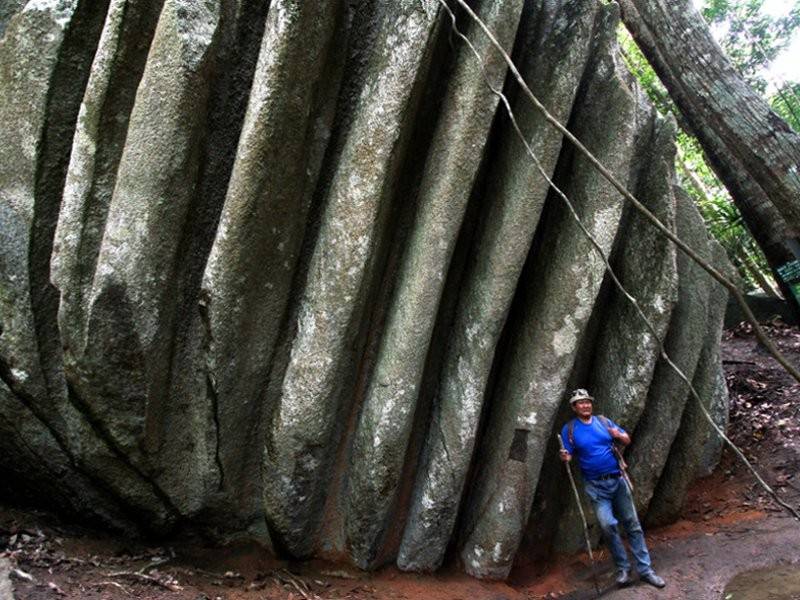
{"points": [[790, 273]]}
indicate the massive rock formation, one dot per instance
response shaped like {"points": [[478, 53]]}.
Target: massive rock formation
{"points": [[284, 271]]}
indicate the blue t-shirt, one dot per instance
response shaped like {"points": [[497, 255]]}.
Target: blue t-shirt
{"points": [[593, 446]]}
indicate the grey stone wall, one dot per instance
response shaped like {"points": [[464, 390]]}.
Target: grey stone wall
{"points": [[283, 271]]}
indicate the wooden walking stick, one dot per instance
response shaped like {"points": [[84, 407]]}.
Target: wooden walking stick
{"points": [[583, 517], [623, 467]]}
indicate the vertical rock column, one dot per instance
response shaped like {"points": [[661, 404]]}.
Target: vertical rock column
{"points": [[679, 470], [123, 375], [557, 305], [248, 276], [625, 352], [96, 150], [300, 437], [188, 464], [387, 415], [30, 54], [556, 46], [666, 397], [719, 410], [45, 57]]}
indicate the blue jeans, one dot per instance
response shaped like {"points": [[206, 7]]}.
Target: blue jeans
{"points": [[613, 505]]}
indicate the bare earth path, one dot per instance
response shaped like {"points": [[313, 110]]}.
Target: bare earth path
{"points": [[701, 564]]}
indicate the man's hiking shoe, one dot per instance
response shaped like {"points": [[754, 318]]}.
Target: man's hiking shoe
{"points": [[623, 577], [653, 580]]}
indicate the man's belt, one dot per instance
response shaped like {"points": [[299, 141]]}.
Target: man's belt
{"points": [[608, 476]]}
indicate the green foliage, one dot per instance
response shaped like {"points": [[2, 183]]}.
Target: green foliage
{"points": [[644, 73], [752, 38], [786, 102], [723, 219], [691, 158]]}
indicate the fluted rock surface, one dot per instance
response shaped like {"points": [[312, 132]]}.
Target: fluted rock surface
{"points": [[285, 271]]}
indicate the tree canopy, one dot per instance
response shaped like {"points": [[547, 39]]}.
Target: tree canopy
{"points": [[752, 38]]}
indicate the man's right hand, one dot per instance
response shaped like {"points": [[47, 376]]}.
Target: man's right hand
{"points": [[564, 455]]}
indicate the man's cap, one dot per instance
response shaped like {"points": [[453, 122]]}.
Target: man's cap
{"points": [[580, 394]]}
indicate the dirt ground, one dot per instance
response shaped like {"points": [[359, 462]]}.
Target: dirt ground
{"points": [[732, 541]]}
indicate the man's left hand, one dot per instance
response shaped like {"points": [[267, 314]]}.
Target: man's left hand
{"points": [[620, 436]]}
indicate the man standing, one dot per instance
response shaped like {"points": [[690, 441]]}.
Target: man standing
{"points": [[592, 438]]}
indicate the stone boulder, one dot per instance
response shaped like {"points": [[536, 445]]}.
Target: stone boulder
{"points": [[285, 272]]}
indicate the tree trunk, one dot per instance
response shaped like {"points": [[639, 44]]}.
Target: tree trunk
{"points": [[722, 110], [749, 265], [753, 152], [762, 220]]}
